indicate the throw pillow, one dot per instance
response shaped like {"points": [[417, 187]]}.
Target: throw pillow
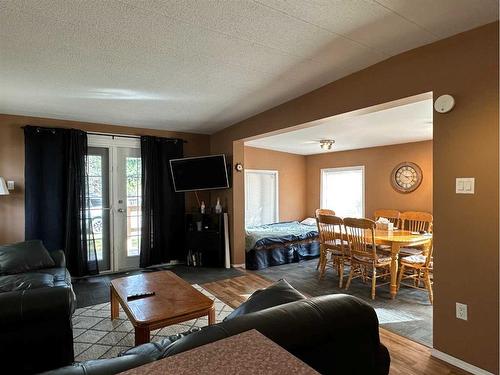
{"points": [[279, 293]]}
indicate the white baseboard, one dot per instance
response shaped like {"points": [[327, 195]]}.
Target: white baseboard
{"points": [[459, 363], [243, 265]]}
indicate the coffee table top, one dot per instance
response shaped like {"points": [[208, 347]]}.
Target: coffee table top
{"points": [[173, 297]]}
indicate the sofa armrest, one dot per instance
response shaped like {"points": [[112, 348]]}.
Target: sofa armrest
{"points": [[35, 305], [36, 318], [59, 258]]}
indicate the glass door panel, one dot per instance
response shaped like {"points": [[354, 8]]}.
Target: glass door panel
{"points": [[128, 204], [98, 202]]}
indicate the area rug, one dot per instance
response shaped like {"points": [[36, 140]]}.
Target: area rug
{"points": [[96, 336]]}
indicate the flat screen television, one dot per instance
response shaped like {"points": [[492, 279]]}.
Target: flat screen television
{"points": [[199, 173]]}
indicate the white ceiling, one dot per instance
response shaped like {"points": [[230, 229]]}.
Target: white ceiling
{"points": [[401, 124], [201, 65]]}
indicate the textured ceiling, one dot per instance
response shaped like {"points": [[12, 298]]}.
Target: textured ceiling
{"points": [[201, 65], [402, 124]]}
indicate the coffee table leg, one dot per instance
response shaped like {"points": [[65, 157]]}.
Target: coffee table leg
{"points": [[114, 304], [141, 335], [211, 316]]}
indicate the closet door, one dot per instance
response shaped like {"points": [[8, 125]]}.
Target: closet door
{"points": [[261, 197]]}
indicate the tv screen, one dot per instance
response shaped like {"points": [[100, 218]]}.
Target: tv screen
{"points": [[199, 173]]}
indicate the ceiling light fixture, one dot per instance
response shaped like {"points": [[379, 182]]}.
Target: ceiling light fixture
{"points": [[326, 144]]}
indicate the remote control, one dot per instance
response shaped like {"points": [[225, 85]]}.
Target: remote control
{"points": [[140, 295]]}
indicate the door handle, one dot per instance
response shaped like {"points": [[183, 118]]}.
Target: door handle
{"points": [[120, 210]]}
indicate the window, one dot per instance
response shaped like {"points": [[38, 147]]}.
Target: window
{"points": [[343, 190], [261, 197]]}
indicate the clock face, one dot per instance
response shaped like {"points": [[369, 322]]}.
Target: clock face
{"points": [[406, 177]]}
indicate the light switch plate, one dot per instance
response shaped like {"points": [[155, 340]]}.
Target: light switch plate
{"points": [[10, 185], [461, 311], [464, 185]]}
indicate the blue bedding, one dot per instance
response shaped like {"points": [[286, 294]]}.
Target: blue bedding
{"points": [[278, 233], [280, 243]]}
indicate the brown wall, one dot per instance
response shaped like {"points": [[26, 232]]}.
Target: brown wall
{"points": [[465, 144], [292, 179], [379, 163], [12, 162]]}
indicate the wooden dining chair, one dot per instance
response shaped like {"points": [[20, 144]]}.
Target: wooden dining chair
{"points": [[364, 258], [418, 267], [392, 215], [322, 211], [333, 245], [415, 221]]}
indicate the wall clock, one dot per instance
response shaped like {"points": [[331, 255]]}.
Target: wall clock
{"points": [[406, 177]]}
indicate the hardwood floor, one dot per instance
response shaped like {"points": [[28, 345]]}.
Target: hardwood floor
{"points": [[407, 357]]}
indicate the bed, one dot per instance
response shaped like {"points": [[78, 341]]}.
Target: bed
{"points": [[280, 243]]}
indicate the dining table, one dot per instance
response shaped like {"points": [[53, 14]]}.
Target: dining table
{"points": [[398, 239]]}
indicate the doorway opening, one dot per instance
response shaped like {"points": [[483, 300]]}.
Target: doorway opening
{"points": [[351, 164]]}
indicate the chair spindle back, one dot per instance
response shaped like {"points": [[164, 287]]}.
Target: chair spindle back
{"points": [[361, 237], [417, 221], [331, 234], [392, 215]]}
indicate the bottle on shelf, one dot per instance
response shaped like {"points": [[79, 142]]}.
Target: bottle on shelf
{"points": [[202, 207], [218, 206]]}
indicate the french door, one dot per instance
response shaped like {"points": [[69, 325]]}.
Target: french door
{"points": [[114, 196]]}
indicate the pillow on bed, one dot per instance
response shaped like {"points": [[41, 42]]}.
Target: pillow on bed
{"points": [[279, 293], [309, 221]]}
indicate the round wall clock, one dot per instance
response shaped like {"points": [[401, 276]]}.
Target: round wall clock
{"points": [[406, 177]]}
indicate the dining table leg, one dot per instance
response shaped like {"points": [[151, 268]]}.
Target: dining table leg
{"points": [[394, 269]]}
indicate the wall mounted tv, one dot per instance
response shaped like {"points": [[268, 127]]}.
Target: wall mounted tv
{"points": [[199, 173]]}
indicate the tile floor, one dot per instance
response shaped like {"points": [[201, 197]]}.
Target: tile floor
{"points": [[96, 336]]}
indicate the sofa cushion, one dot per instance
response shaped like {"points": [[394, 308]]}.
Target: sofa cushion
{"points": [[279, 293], [23, 257], [25, 281], [61, 276]]}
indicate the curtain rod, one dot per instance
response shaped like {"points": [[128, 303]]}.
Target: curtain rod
{"points": [[133, 136], [104, 134]]}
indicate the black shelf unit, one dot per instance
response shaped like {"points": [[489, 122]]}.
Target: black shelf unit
{"points": [[206, 241]]}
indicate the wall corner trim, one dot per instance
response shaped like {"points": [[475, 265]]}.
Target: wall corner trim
{"points": [[459, 363]]}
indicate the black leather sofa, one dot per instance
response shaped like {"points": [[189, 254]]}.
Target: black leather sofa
{"points": [[335, 334], [36, 306]]}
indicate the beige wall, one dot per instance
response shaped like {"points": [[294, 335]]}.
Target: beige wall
{"points": [[465, 144], [12, 162], [292, 179], [379, 163]]}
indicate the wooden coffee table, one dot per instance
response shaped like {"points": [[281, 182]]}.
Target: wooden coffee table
{"points": [[174, 301]]}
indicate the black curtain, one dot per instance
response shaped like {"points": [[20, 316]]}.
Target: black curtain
{"points": [[162, 237], [56, 209]]}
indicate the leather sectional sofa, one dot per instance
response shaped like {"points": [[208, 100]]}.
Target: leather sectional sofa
{"points": [[334, 334], [36, 306]]}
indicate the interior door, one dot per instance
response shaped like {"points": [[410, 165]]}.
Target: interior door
{"points": [[127, 207]]}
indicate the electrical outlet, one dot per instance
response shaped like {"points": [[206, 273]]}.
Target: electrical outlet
{"points": [[461, 310]]}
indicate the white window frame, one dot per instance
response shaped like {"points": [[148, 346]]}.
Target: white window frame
{"points": [[276, 178], [340, 169]]}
